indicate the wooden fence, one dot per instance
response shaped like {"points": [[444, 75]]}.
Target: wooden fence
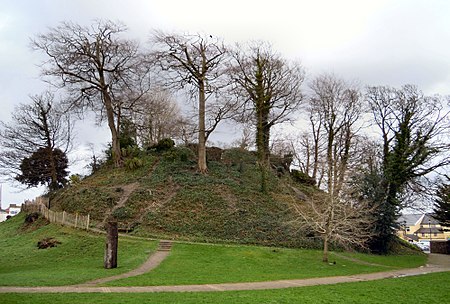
{"points": [[40, 204]]}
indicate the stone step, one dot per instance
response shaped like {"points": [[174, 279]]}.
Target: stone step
{"points": [[165, 246]]}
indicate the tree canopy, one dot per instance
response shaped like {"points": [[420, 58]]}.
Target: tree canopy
{"points": [[46, 166]]}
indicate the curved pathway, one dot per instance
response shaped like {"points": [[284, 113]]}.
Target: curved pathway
{"points": [[437, 263], [152, 262]]}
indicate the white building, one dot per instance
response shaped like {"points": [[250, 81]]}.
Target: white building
{"points": [[12, 210]]}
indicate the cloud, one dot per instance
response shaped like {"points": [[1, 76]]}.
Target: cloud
{"points": [[376, 42]]}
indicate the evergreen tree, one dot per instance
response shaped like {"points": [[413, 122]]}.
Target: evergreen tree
{"points": [[442, 205], [46, 166], [412, 127]]}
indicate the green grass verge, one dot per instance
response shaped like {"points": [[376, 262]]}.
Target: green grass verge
{"points": [[391, 260], [206, 264], [79, 257], [433, 289]]}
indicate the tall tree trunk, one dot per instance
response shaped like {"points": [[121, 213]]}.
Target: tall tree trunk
{"points": [[260, 136], [262, 147], [53, 173], [344, 160], [262, 133], [116, 152], [202, 166], [48, 139], [330, 161], [325, 248], [316, 138]]}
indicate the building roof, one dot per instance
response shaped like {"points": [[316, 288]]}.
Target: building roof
{"points": [[429, 219], [412, 237], [429, 230], [409, 219], [418, 218]]}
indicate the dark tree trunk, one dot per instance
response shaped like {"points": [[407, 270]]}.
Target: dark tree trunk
{"points": [[202, 166], [116, 152], [112, 240], [325, 249]]}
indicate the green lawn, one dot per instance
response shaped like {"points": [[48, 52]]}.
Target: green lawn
{"points": [[77, 259], [403, 261], [202, 264], [431, 288]]}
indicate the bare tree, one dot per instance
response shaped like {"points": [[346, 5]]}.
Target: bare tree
{"points": [[246, 140], [335, 109], [38, 126], [269, 87], [196, 62], [100, 70], [309, 148], [157, 116], [340, 221]]}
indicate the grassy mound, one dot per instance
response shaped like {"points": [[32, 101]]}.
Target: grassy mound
{"points": [[171, 199]]}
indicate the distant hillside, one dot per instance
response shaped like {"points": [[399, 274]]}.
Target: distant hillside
{"points": [[167, 197]]}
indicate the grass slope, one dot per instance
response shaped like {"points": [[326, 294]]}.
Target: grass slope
{"points": [[77, 259], [206, 264], [174, 201], [433, 289], [80, 258]]}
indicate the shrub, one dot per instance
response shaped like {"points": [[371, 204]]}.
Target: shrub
{"points": [[123, 213], [31, 217], [164, 145], [302, 178], [133, 163], [182, 154], [75, 179], [237, 156], [47, 243], [213, 154], [130, 151]]}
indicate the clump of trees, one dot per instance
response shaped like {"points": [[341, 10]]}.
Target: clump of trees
{"points": [[99, 68], [36, 141], [414, 131], [363, 181]]}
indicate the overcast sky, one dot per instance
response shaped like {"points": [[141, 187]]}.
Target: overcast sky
{"points": [[385, 42]]}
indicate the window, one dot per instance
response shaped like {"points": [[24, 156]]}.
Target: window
{"points": [[423, 234], [435, 234], [407, 229]]}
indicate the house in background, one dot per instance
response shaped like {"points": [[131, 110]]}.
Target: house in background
{"points": [[421, 227], [12, 210]]}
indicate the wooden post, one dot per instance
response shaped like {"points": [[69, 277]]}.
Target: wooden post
{"points": [[76, 219], [87, 224], [64, 218], [112, 240]]}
